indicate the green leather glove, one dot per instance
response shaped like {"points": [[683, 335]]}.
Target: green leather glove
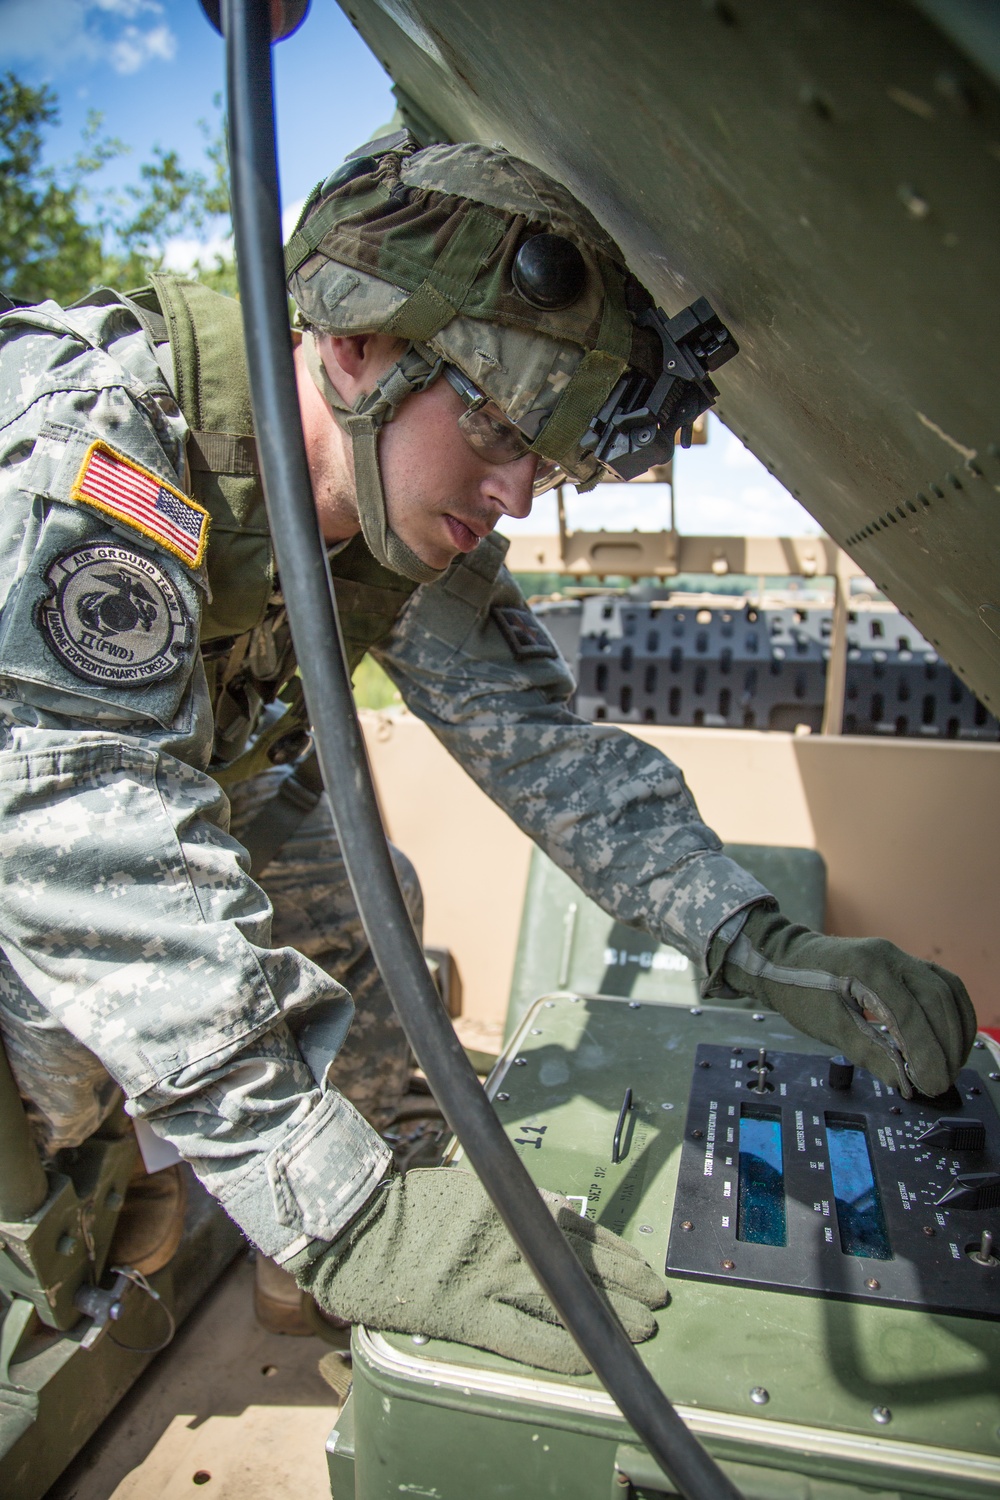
{"points": [[430, 1254], [824, 985]]}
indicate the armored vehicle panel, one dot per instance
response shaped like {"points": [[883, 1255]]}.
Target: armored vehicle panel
{"points": [[827, 175]]}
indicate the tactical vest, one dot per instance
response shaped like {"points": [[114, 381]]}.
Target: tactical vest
{"points": [[246, 642]]}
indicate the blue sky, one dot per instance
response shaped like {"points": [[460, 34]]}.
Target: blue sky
{"points": [[152, 67]]}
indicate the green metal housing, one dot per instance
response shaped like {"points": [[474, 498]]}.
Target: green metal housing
{"points": [[432, 1419], [566, 942]]}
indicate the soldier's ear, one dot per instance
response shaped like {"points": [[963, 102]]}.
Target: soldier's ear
{"points": [[349, 353]]}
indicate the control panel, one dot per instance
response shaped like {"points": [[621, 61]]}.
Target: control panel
{"points": [[803, 1173]]}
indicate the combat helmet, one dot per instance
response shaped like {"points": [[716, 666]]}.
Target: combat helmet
{"points": [[503, 283]]}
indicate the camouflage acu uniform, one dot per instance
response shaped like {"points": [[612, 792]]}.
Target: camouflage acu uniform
{"points": [[137, 953], [315, 913]]}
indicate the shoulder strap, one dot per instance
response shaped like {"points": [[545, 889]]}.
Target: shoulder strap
{"points": [[212, 386]]}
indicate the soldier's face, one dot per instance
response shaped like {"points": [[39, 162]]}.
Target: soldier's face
{"points": [[442, 496]]}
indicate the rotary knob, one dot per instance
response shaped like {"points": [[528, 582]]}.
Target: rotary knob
{"points": [[955, 1135], [841, 1074], [977, 1190]]}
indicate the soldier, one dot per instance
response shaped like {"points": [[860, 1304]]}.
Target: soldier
{"points": [[463, 321]]}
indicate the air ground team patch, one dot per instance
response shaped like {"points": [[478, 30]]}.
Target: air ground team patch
{"points": [[114, 617], [129, 493]]}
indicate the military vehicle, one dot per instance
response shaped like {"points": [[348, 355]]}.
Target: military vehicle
{"points": [[825, 174]]}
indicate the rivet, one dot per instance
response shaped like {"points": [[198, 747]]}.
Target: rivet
{"points": [[502, 1098], [634, 1005], [645, 1228], [995, 1077], [536, 1031], [979, 1043], [520, 1062], [759, 1015], [421, 1338], [882, 1415], [666, 1106], [729, 1265], [687, 1225], [872, 1284], [759, 1396], [696, 1010], [549, 1004]]}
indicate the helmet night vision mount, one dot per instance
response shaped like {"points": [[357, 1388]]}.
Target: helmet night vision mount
{"points": [[634, 429]]}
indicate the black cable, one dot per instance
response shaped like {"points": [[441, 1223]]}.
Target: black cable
{"points": [[312, 613]]}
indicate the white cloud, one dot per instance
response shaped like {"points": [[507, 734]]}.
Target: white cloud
{"points": [[60, 34], [182, 255], [135, 48]]}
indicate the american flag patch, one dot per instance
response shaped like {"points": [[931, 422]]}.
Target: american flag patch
{"points": [[129, 493]]}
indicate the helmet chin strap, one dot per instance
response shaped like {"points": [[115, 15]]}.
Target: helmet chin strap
{"points": [[412, 372]]}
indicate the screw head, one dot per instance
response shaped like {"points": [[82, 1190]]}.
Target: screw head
{"points": [[894, 1109], [930, 1231], [882, 1415], [501, 1098], [995, 1077], [696, 1010], [520, 1062], [974, 1091], [759, 1015], [729, 1265], [737, 1051], [645, 1228], [666, 1106], [421, 1338], [687, 1224], [872, 1284], [697, 1134], [704, 1063], [536, 1031], [634, 1005], [979, 1043], [759, 1396]]}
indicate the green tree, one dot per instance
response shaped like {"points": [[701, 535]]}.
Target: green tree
{"points": [[59, 236], [46, 250]]}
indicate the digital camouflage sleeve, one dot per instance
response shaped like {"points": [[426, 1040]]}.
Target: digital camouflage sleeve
{"points": [[129, 928], [473, 662]]}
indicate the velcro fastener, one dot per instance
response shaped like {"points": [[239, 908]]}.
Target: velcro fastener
{"points": [[223, 453]]}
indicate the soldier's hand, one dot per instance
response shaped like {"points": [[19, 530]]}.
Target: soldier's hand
{"points": [[824, 985], [430, 1254]]}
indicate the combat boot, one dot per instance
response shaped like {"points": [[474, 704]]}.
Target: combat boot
{"points": [[281, 1307], [151, 1222]]}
